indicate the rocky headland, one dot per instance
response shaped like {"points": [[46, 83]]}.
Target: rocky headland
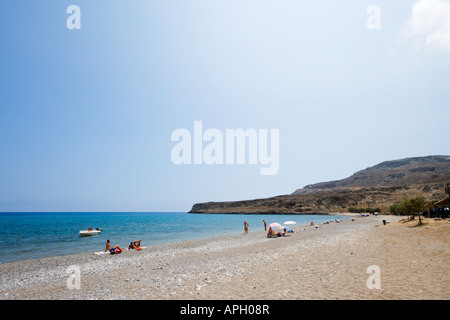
{"points": [[378, 186]]}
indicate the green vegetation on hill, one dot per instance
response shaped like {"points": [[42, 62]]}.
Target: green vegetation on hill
{"points": [[409, 206], [364, 210]]}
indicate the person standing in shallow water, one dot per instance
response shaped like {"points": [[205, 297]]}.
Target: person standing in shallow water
{"points": [[245, 226], [265, 225]]}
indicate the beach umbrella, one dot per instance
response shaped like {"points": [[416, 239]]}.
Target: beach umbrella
{"points": [[288, 230], [290, 222], [274, 225]]}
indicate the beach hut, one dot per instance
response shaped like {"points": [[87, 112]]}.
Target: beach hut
{"points": [[442, 203]]}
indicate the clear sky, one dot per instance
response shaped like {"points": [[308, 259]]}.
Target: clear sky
{"points": [[86, 115]]}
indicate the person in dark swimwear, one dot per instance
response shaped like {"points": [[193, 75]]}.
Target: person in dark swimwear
{"points": [[116, 248]]}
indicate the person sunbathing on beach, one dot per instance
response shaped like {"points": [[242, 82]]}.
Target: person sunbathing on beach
{"points": [[279, 234], [116, 248], [271, 233], [108, 246], [135, 245]]}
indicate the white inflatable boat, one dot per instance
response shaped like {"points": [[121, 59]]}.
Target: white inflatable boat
{"points": [[90, 232]]}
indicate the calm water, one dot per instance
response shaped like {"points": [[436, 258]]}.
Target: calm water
{"points": [[26, 236]]}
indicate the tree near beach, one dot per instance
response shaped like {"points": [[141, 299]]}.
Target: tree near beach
{"points": [[364, 210], [413, 206]]}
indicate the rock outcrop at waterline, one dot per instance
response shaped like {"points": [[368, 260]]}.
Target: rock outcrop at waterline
{"points": [[377, 187]]}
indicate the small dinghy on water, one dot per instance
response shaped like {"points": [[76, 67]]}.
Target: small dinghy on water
{"points": [[90, 232]]}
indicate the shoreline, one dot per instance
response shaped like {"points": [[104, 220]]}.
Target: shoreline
{"points": [[325, 263], [287, 213], [77, 245]]}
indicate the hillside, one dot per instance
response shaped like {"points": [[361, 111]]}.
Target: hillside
{"points": [[378, 186], [396, 173]]}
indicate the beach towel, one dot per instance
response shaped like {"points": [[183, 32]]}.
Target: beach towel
{"points": [[137, 249], [102, 252]]}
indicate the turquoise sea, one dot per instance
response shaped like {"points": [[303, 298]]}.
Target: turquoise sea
{"points": [[33, 235]]}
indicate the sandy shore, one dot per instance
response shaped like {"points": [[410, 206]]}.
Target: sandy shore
{"points": [[330, 262]]}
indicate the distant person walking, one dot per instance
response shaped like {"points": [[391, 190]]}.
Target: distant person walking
{"points": [[245, 226], [265, 225]]}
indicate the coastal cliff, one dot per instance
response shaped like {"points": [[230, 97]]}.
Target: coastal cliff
{"points": [[376, 187]]}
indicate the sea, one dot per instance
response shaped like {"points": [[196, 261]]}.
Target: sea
{"points": [[33, 235]]}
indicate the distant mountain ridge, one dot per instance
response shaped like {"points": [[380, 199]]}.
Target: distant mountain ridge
{"points": [[377, 186], [395, 173]]}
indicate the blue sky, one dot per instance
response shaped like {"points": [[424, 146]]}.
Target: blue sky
{"points": [[86, 115]]}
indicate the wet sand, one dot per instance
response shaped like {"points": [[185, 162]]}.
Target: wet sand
{"points": [[329, 262]]}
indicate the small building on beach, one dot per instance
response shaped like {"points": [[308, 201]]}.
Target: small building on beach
{"points": [[441, 207]]}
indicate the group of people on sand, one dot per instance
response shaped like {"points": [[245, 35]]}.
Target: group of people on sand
{"points": [[117, 250], [328, 222], [271, 233]]}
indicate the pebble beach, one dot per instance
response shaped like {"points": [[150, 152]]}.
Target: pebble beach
{"points": [[332, 261]]}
